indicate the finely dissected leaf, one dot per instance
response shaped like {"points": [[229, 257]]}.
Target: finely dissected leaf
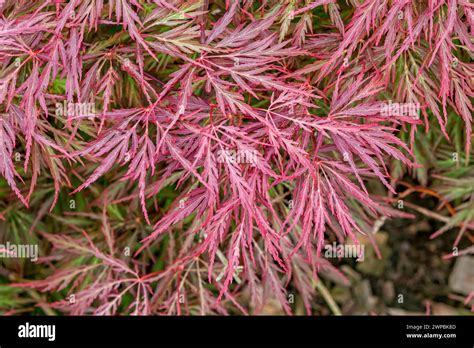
{"points": [[7, 168]]}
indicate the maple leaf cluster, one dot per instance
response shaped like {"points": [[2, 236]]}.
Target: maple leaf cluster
{"points": [[195, 156]]}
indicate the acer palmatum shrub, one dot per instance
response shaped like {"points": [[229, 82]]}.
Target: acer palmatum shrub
{"points": [[194, 157]]}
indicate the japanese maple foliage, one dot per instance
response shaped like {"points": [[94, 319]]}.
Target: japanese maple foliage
{"points": [[230, 140]]}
